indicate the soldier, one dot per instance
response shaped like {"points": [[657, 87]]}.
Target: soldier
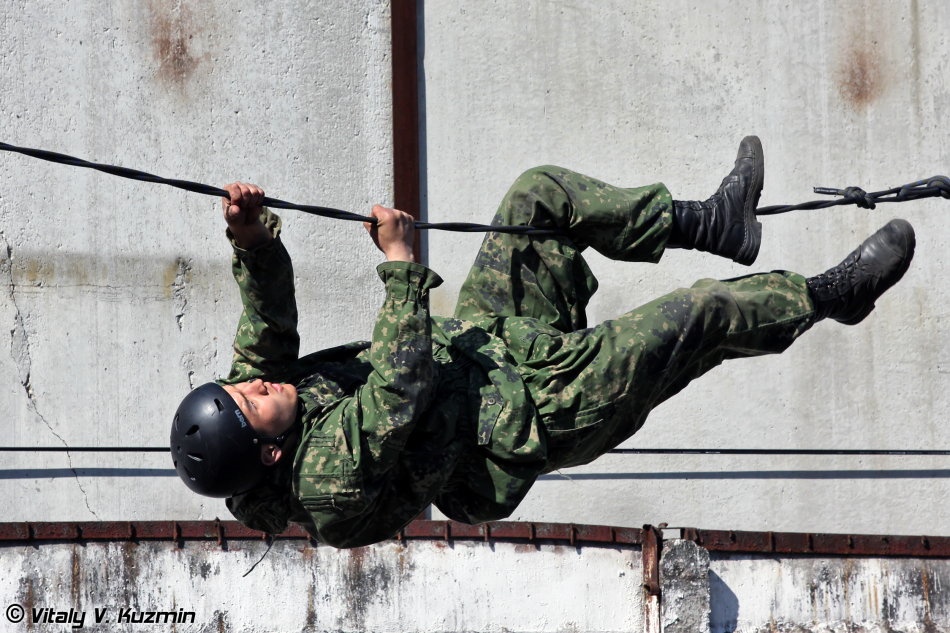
{"points": [[354, 442]]}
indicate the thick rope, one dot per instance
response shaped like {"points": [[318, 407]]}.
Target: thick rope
{"points": [[929, 188], [325, 212]]}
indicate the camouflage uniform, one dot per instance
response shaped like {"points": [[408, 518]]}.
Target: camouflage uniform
{"points": [[467, 412]]}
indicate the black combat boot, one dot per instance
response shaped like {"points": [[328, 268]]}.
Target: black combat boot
{"points": [[725, 224], [847, 292]]}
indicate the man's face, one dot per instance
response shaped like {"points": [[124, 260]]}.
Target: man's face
{"points": [[270, 408]]}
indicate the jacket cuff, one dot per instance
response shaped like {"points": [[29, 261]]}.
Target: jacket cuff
{"points": [[412, 279]]}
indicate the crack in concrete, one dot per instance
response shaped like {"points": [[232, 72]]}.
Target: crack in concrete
{"points": [[179, 290], [561, 474], [20, 353]]}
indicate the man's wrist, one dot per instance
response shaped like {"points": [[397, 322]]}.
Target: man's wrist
{"points": [[251, 236], [400, 255]]}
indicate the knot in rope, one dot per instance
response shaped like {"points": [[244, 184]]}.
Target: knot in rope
{"points": [[942, 184], [930, 187], [936, 186], [859, 196]]}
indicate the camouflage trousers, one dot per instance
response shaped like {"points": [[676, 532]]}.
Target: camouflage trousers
{"points": [[594, 386]]}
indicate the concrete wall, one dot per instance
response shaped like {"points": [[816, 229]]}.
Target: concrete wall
{"points": [[831, 595], [425, 586], [431, 586], [711, 592], [847, 92], [117, 295]]}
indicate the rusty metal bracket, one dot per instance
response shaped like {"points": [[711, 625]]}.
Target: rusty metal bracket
{"points": [[814, 544], [651, 540], [219, 529]]}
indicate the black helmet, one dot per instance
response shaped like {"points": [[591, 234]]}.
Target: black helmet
{"points": [[215, 451]]}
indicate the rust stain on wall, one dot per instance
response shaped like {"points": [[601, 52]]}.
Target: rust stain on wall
{"points": [[29, 602], [129, 570], [172, 30], [39, 271], [860, 76], [311, 612], [75, 587], [404, 560]]}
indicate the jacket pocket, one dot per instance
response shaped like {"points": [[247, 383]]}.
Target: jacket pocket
{"points": [[326, 472], [574, 440]]}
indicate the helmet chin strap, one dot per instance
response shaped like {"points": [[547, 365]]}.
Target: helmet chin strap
{"points": [[281, 439]]}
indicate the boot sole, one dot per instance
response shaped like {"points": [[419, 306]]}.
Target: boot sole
{"points": [[753, 228], [908, 232]]}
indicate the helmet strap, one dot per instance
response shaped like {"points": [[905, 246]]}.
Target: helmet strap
{"points": [[281, 439]]}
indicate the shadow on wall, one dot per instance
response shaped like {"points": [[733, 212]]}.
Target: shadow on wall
{"points": [[56, 473], [723, 606], [759, 474]]}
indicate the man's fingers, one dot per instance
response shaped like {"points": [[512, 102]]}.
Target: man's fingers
{"points": [[257, 195], [234, 211], [388, 216], [370, 227], [227, 201], [227, 204], [244, 199]]}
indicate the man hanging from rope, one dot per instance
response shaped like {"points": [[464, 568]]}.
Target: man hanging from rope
{"points": [[355, 442]]}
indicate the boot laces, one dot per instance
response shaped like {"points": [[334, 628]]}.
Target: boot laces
{"points": [[840, 278]]}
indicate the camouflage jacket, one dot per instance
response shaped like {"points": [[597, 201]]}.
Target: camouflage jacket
{"points": [[433, 410]]}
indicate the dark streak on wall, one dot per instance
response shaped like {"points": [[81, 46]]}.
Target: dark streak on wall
{"points": [[860, 80], [172, 30]]}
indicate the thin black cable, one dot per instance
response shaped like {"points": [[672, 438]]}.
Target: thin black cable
{"points": [[325, 212], [269, 545], [621, 451]]}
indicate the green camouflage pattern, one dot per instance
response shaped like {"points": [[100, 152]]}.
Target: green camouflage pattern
{"points": [[266, 338], [467, 412]]}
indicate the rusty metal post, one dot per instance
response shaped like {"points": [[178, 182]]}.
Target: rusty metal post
{"points": [[406, 160], [651, 540]]}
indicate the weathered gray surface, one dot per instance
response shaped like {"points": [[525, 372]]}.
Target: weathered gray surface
{"points": [[116, 296], [684, 575], [433, 586], [847, 92], [394, 587], [805, 595]]}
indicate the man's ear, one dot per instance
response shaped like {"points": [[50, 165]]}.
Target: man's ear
{"points": [[271, 454]]}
